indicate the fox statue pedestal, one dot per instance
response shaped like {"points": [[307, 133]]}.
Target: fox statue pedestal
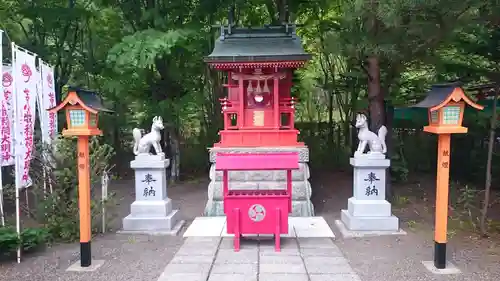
{"points": [[368, 210], [151, 212], [368, 213]]}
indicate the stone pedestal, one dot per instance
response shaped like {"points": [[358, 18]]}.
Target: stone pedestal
{"points": [[368, 210], [301, 188], [151, 212]]}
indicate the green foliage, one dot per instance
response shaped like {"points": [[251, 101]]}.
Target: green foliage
{"points": [[145, 58], [141, 49], [9, 240], [30, 239], [58, 211], [399, 169], [325, 144], [465, 202]]}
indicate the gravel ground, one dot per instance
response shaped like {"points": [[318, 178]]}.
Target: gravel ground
{"points": [[127, 257], [136, 258], [399, 258], [389, 258]]}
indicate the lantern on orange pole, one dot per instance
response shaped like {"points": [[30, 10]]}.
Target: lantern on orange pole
{"points": [[446, 105], [82, 108]]}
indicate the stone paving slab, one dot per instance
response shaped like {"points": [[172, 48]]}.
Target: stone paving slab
{"points": [[282, 269], [283, 277], [328, 269], [206, 226], [199, 252], [298, 227], [197, 259], [228, 256], [334, 277], [183, 277], [315, 243], [279, 259], [321, 252], [175, 268], [284, 252], [232, 277], [201, 239], [325, 260], [300, 259], [244, 268]]}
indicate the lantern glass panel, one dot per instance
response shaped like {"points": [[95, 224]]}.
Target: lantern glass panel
{"points": [[434, 116], [451, 115], [77, 117], [93, 120]]}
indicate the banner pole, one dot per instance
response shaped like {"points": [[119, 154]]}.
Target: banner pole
{"points": [[16, 152], [2, 216], [1, 198]]}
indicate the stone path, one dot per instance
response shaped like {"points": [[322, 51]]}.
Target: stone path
{"points": [[300, 259]]}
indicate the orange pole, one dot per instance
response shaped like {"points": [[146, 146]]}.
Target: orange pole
{"points": [[442, 188], [84, 200]]}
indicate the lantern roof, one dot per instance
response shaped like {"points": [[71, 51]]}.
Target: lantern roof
{"points": [[441, 94], [262, 44], [89, 100]]}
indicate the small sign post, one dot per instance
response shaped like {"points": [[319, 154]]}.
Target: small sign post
{"points": [[104, 198]]}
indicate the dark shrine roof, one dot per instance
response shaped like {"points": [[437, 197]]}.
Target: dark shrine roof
{"points": [[270, 43], [438, 94], [90, 99]]}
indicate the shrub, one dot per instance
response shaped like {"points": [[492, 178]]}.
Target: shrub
{"points": [[8, 240], [31, 238], [56, 170], [58, 210]]}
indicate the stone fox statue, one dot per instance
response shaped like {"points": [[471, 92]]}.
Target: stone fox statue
{"points": [[142, 144], [375, 142]]}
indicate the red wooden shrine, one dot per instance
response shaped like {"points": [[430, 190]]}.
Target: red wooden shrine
{"points": [[257, 211], [258, 109]]}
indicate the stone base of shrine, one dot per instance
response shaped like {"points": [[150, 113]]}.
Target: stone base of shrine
{"points": [[152, 217], [261, 180], [368, 208], [348, 234], [366, 223]]}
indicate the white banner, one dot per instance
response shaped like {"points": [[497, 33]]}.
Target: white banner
{"points": [[26, 79], [46, 100], [6, 118]]}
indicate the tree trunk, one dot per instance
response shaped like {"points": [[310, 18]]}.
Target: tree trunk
{"points": [[350, 131], [331, 129], [487, 185], [281, 7], [375, 95], [175, 158], [390, 147]]}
